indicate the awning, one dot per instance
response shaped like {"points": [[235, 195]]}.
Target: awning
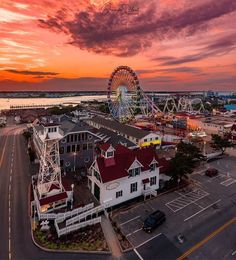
{"points": [[145, 181]]}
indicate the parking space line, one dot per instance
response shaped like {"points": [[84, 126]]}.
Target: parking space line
{"points": [[228, 182], [195, 214], [137, 253], [148, 240], [137, 230], [198, 205], [186, 199], [126, 222]]}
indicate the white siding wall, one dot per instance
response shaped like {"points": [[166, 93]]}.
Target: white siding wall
{"points": [[123, 184]]}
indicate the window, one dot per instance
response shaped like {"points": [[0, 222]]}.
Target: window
{"points": [[72, 138], [152, 167], [68, 149], [75, 138], [85, 136], [84, 146], [77, 147], [119, 193], [134, 172], [73, 148], [110, 154], [97, 175], [82, 136], [153, 180], [145, 140], [68, 138], [157, 138], [133, 187], [131, 172], [90, 146], [61, 150], [137, 171], [79, 137]]}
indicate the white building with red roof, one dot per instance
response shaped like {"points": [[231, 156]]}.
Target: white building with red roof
{"points": [[120, 174]]}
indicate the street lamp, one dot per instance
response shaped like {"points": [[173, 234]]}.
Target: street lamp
{"points": [[204, 148], [74, 160]]}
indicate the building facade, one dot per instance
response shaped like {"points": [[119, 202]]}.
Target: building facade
{"points": [[139, 137], [76, 144], [121, 174]]}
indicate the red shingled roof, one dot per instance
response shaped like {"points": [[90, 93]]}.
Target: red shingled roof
{"points": [[105, 147], [164, 164], [123, 159], [53, 198]]}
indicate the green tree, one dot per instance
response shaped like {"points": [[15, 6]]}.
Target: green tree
{"points": [[104, 108], [186, 158], [189, 150], [220, 143]]}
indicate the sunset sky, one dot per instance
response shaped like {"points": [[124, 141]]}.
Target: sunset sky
{"points": [[75, 45]]}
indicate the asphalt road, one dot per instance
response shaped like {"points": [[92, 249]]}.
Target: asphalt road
{"points": [[15, 232]]}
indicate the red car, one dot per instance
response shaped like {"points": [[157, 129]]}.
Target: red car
{"points": [[211, 172]]}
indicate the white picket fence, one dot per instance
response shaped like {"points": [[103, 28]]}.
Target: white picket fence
{"points": [[62, 216], [71, 228], [84, 215]]}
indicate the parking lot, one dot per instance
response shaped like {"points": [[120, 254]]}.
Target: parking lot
{"points": [[185, 210]]}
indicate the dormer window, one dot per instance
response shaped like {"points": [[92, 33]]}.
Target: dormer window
{"points": [[153, 165], [134, 172], [107, 150], [109, 154], [135, 168]]}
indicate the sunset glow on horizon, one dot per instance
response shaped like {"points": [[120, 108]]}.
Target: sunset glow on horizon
{"points": [[75, 45]]}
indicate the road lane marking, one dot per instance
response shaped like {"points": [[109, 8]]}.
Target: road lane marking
{"points": [[3, 150], [137, 253], [206, 239], [202, 210], [151, 238], [129, 220]]}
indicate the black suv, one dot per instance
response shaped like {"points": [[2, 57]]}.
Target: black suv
{"points": [[154, 220]]}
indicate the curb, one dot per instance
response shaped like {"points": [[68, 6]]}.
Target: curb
{"points": [[65, 251]]}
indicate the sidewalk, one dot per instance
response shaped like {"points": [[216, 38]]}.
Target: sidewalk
{"points": [[111, 238]]}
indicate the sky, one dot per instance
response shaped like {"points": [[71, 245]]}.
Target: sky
{"points": [[67, 45]]}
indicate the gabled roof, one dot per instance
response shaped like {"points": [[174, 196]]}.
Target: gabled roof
{"points": [[54, 198], [113, 138], [123, 158], [104, 147], [118, 127]]}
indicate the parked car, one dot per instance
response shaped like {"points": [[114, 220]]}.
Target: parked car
{"points": [[211, 172], [154, 220]]}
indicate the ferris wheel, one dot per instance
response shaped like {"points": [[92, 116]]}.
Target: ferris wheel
{"points": [[123, 93]]}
